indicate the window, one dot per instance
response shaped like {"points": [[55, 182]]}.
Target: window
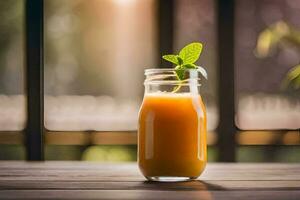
{"points": [[12, 101], [96, 52], [260, 70]]}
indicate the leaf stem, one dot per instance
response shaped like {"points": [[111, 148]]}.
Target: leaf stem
{"points": [[176, 88]]}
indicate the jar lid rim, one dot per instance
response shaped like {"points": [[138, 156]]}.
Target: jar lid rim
{"points": [[157, 70]]}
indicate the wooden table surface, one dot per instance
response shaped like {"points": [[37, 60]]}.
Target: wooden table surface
{"points": [[82, 180]]}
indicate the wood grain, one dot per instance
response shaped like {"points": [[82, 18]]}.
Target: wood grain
{"points": [[89, 180], [149, 195]]}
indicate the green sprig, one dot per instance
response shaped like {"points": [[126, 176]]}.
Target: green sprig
{"points": [[186, 59]]}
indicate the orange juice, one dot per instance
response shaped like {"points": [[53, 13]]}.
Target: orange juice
{"points": [[172, 135]]}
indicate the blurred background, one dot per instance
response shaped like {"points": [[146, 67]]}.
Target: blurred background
{"points": [[95, 55]]}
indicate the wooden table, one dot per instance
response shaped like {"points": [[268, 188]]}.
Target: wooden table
{"points": [[81, 180]]}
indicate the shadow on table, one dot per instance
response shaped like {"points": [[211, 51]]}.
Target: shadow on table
{"points": [[195, 185], [197, 189]]}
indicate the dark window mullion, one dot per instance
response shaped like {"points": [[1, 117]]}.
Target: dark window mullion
{"points": [[34, 79], [165, 17], [226, 96]]}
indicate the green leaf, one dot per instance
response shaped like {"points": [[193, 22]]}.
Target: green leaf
{"points": [[297, 83], [292, 78], [191, 53], [190, 66], [185, 60], [180, 61], [171, 58], [294, 73], [179, 72]]}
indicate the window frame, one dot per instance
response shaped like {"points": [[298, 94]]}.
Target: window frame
{"points": [[35, 136]]}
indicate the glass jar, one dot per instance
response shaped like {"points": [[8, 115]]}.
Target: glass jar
{"points": [[172, 127]]}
